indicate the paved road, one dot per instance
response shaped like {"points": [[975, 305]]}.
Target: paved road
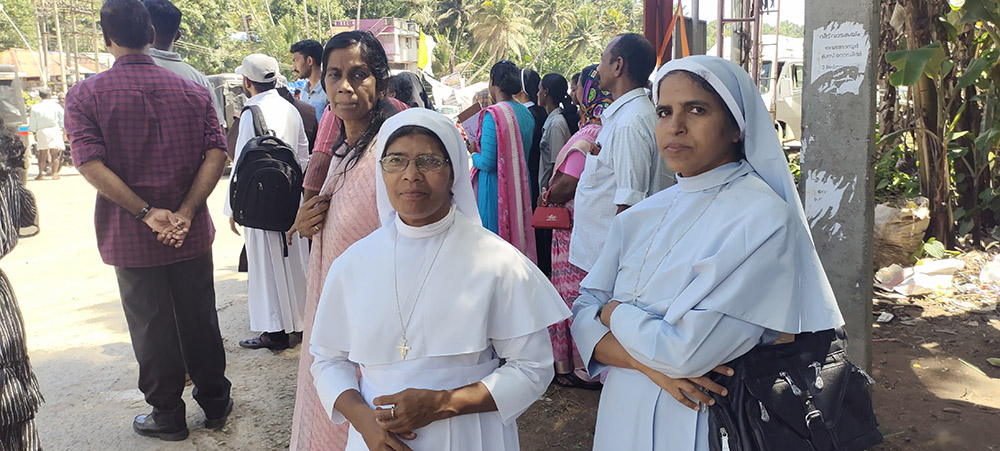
{"points": [[80, 348]]}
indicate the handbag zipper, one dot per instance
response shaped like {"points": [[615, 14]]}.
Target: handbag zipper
{"points": [[764, 416], [724, 438], [791, 383], [819, 380]]}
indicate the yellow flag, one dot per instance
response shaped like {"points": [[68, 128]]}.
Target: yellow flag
{"points": [[423, 56]]}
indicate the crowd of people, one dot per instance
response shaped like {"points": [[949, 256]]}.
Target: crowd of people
{"points": [[431, 311]]}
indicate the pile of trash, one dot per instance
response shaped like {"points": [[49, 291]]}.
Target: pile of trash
{"points": [[899, 231], [957, 284]]}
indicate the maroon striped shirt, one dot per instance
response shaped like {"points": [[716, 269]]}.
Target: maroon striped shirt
{"points": [[151, 127]]}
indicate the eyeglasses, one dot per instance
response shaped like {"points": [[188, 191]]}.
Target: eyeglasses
{"points": [[425, 163]]}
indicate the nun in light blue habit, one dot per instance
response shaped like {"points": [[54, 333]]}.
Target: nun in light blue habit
{"points": [[700, 273]]}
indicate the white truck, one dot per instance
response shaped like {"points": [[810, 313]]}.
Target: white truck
{"points": [[785, 101]]}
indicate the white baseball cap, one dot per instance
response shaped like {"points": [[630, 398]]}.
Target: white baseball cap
{"points": [[259, 68]]}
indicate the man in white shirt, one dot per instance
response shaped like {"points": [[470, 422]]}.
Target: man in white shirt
{"points": [[306, 61], [627, 166], [277, 281], [46, 122], [166, 20]]}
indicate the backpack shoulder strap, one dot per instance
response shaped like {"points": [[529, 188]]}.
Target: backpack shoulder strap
{"points": [[259, 126]]}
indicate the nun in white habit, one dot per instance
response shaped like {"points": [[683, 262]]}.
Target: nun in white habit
{"points": [[426, 306], [700, 273]]}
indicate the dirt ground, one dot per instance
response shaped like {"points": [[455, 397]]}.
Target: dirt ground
{"points": [[79, 345], [936, 389], [926, 398]]}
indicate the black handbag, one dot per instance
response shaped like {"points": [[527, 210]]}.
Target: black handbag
{"points": [[803, 395]]}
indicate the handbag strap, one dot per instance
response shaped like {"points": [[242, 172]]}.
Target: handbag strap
{"points": [[822, 438]]}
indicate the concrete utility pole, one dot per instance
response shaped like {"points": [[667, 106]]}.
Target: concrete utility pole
{"points": [[305, 16], [838, 143], [76, 43], [40, 12], [698, 43], [42, 68], [357, 19], [97, 61], [59, 43]]}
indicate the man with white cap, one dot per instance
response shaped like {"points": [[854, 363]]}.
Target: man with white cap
{"points": [[277, 281], [305, 110]]}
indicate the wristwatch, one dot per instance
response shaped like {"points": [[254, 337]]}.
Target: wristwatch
{"points": [[142, 213]]}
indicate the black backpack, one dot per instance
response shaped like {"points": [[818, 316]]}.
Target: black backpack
{"points": [[267, 181]]}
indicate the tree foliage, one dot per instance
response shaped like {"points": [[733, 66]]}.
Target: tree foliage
{"points": [[786, 28], [941, 103], [546, 35], [23, 15]]}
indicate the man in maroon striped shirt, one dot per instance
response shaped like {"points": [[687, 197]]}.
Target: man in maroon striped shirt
{"points": [[150, 142]]}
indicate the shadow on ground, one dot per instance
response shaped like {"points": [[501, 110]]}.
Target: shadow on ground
{"points": [[929, 396]]}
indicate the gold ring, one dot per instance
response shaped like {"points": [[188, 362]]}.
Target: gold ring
{"points": [[315, 228], [392, 410]]}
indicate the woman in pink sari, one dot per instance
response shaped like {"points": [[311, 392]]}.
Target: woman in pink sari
{"points": [[499, 174], [356, 73], [566, 277]]}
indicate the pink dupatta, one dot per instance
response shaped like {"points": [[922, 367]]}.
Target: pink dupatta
{"points": [[512, 181], [579, 142]]}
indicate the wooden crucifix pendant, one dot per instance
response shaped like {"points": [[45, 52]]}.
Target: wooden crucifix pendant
{"points": [[403, 349]]}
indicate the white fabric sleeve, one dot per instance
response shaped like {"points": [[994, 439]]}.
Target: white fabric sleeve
{"points": [[33, 119], [524, 378], [332, 375], [302, 147], [700, 341], [246, 132], [553, 139], [596, 290], [633, 164], [587, 329]]}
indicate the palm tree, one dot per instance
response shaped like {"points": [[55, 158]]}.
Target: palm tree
{"points": [[421, 11], [454, 17], [455, 14], [613, 22], [502, 25], [585, 36], [551, 18]]}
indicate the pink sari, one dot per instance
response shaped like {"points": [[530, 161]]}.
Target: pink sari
{"points": [[512, 181], [566, 277], [352, 216]]}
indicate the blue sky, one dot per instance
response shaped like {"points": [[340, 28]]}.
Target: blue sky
{"points": [[791, 10]]}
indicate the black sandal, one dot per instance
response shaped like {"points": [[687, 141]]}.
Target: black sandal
{"points": [[264, 340], [571, 380]]}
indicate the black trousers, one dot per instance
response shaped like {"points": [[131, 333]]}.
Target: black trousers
{"points": [[174, 326]]}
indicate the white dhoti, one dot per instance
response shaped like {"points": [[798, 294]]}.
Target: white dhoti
{"points": [[50, 138], [277, 284]]}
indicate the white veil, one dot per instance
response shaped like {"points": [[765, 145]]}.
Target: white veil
{"points": [[463, 196], [819, 308]]}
